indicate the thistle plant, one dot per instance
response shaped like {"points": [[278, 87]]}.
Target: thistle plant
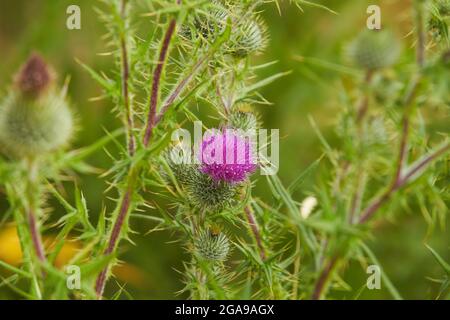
{"points": [[172, 56], [36, 125]]}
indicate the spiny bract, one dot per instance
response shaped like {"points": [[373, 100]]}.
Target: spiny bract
{"points": [[208, 194], [241, 117], [212, 246], [248, 37], [203, 192]]}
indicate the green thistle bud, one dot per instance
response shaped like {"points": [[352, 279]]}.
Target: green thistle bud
{"points": [[443, 7], [205, 26], [242, 117], [202, 191], [210, 195], [250, 37], [33, 118], [212, 245], [184, 173], [374, 49]]}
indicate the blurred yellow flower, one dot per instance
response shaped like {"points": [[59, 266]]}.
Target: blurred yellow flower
{"points": [[11, 253]]}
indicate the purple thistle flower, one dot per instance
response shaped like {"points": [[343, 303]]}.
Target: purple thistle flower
{"points": [[226, 156]]}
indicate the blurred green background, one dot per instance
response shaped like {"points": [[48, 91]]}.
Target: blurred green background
{"points": [[26, 26]]}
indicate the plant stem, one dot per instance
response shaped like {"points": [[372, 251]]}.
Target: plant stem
{"points": [[130, 189], [256, 233], [151, 120], [179, 88], [399, 179], [35, 236], [324, 277], [31, 210], [114, 238], [129, 122], [364, 104]]}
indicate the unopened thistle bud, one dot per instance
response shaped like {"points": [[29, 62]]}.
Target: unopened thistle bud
{"points": [[242, 117], [205, 26], [249, 37], [34, 119], [212, 245], [374, 49], [207, 194], [443, 7]]}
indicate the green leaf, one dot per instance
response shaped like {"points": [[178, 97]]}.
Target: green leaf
{"points": [[11, 268], [440, 260], [301, 178], [263, 83], [387, 282]]}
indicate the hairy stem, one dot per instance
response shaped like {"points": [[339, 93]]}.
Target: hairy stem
{"points": [[125, 203], [363, 106], [179, 89], [151, 119], [31, 210], [256, 233], [129, 122], [114, 238], [324, 277], [400, 179]]}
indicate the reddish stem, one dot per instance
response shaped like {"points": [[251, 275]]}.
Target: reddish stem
{"points": [[323, 279], [255, 230], [36, 236], [113, 240], [125, 86], [157, 81]]}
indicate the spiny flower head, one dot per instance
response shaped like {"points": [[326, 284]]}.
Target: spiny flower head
{"points": [[248, 37], [201, 190], [34, 119], [242, 117], [211, 244], [374, 49], [443, 7], [205, 193], [227, 156], [205, 25]]}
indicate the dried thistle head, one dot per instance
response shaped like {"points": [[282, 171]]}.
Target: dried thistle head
{"points": [[34, 119]]}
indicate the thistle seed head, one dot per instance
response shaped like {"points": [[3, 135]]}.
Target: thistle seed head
{"points": [[212, 245], [374, 49]]}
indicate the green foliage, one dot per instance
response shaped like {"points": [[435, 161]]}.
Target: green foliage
{"points": [[201, 53]]}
